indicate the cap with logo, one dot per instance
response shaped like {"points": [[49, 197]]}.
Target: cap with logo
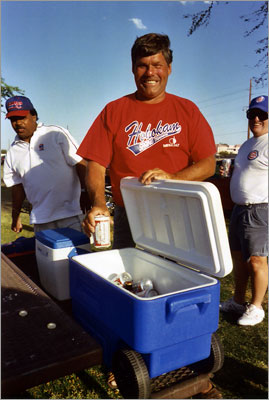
{"points": [[18, 106], [260, 102]]}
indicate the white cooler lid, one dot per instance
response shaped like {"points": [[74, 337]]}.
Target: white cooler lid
{"points": [[180, 220]]}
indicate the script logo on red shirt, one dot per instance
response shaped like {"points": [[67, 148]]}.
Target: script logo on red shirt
{"points": [[139, 140]]}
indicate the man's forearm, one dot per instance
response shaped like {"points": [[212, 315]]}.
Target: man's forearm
{"points": [[81, 172], [95, 183], [85, 203], [199, 171], [18, 197]]}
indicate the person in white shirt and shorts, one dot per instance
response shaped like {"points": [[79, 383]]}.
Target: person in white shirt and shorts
{"points": [[248, 230]]}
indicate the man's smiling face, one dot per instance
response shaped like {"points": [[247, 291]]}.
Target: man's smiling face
{"points": [[258, 122], [151, 75]]}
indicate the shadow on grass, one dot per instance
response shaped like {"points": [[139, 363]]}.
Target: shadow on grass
{"points": [[91, 383], [242, 379], [230, 317], [6, 201], [6, 197], [28, 228], [22, 395]]}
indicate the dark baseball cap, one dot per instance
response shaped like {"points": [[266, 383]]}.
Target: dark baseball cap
{"points": [[18, 106]]}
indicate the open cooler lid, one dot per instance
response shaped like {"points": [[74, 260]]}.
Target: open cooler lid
{"points": [[180, 220]]}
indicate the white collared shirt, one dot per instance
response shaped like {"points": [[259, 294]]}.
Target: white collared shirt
{"points": [[249, 182], [46, 169]]}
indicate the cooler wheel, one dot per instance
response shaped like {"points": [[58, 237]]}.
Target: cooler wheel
{"points": [[215, 360], [131, 374]]}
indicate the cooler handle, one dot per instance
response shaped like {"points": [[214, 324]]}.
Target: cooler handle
{"points": [[174, 305], [42, 251]]}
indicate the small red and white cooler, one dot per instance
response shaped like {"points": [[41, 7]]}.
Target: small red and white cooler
{"points": [[182, 246]]}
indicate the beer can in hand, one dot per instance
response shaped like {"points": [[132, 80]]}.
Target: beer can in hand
{"points": [[102, 231], [226, 165]]}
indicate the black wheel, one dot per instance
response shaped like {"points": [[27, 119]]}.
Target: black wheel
{"points": [[215, 360], [131, 374]]}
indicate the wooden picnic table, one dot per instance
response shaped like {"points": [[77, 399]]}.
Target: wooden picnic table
{"points": [[41, 341]]}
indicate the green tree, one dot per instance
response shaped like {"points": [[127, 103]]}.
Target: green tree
{"points": [[256, 20], [9, 91]]}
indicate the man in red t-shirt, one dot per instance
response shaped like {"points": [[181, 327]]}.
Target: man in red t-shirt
{"points": [[149, 134]]}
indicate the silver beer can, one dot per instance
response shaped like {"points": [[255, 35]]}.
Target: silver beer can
{"points": [[226, 165], [142, 285], [147, 293], [151, 293], [121, 279], [102, 231]]}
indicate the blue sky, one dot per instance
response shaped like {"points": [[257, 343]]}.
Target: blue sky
{"points": [[72, 57]]}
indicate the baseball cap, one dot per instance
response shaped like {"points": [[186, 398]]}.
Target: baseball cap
{"points": [[260, 102], [18, 106]]}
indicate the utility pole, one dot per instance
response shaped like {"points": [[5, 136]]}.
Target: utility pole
{"points": [[249, 100]]}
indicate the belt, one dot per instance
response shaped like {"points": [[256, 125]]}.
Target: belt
{"points": [[250, 205]]}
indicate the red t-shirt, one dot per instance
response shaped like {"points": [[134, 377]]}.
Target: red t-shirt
{"points": [[131, 137]]}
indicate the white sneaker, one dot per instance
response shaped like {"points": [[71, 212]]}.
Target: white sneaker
{"points": [[231, 306], [252, 316]]}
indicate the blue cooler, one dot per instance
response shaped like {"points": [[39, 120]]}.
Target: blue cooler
{"points": [[19, 247], [181, 238], [53, 247]]}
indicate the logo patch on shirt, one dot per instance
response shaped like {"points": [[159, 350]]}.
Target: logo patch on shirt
{"points": [[253, 155], [139, 140], [41, 147], [172, 142]]}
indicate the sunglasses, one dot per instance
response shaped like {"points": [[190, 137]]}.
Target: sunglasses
{"points": [[252, 114]]}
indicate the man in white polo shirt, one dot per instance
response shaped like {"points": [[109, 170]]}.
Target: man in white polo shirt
{"points": [[42, 166], [248, 231]]}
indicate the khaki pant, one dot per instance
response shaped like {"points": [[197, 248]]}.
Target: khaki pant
{"points": [[70, 222]]}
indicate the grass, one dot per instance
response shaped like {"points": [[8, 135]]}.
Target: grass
{"points": [[243, 376]]}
